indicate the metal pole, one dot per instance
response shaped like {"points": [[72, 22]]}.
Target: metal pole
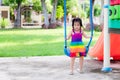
{"points": [[65, 25], [106, 64]]}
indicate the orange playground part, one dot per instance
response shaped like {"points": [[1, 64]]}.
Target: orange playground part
{"points": [[97, 50]]}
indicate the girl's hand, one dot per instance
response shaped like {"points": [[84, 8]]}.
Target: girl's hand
{"points": [[91, 37], [69, 35]]}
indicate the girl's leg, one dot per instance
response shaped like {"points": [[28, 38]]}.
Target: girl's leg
{"points": [[72, 64], [81, 63]]}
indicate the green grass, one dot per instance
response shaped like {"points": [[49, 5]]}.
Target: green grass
{"points": [[34, 42]]}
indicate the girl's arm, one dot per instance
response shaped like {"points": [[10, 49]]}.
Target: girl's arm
{"points": [[69, 35], [86, 36]]}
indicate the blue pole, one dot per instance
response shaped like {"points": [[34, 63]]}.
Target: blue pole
{"points": [[91, 26], [91, 22], [65, 31]]}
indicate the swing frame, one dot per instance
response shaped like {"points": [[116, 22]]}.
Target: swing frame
{"points": [[66, 49]]}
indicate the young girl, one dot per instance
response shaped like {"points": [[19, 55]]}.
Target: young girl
{"points": [[77, 48]]}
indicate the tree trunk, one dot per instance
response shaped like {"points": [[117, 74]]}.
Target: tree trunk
{"points": [[0, 2], [102, 13], [93, 2], [93, 8], [53, 18], [17, 23], [46, 20]]}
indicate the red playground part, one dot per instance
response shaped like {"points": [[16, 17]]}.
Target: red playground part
{"points": [[97, 50], [114, 2]]}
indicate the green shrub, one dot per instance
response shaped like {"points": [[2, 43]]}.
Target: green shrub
{"points": [[59, 13], [97, 10], [3, 22], [28, 19], [97, 27], [83, 14]]}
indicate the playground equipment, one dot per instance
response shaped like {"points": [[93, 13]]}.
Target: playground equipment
{"points": [[98, 49], [108, 42], [114, 26], [66, 49], [110, 47], [114, 2]]}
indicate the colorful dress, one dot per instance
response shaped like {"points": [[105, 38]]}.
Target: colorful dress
{"points": [[77, 48]]}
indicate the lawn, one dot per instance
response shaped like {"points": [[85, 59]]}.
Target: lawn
{"points": [[34, 42]]}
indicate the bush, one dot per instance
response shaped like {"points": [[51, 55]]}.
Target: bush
{"points": [[52, 25], [3, 23], [28, 19], [96, 27], [97, 11], [60, 12]]}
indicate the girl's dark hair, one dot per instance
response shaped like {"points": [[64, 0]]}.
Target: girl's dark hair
{"points": [[77, 20]]}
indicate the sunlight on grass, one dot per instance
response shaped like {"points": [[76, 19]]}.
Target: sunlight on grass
{"points": [[42, 42], [7, 44], [35, 42]]}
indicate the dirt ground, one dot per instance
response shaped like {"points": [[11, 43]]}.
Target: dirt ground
{"points": [[54, 68]]}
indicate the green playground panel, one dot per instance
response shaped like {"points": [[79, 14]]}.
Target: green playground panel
{"points": [[114, 24], [117, 12], [111, 12]]}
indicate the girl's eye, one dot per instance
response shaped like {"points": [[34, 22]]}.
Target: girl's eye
{"points": [[77, 25]]}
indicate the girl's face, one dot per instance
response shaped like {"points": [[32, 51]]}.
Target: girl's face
{"points": [[76, 26]]}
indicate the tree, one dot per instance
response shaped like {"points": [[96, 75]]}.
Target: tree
{"points": [[74, 8], [53, 17], [37, 5], [93, 1], [61, 3], [44, 8], [18, 3], [49, 20], [49, 6], [0, 2], [97, 10], [102, 13]]}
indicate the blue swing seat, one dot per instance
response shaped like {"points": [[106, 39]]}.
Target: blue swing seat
{"points": [[67, 51]]}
